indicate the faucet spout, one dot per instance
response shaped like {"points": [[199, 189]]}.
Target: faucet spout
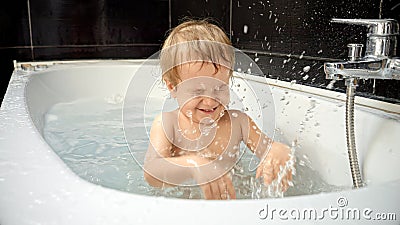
{"points": [[379, 61], [381, 37], [366, 68]]}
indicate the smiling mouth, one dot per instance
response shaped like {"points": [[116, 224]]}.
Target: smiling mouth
{"points": [[208, 110]]}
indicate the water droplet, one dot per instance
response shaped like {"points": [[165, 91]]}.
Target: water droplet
{"points": [[189, 113], [330, 85], [302, 55], [245, 29], [306, 69]]}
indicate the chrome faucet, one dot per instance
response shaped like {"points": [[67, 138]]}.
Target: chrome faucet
{"points": [[379, 61]]}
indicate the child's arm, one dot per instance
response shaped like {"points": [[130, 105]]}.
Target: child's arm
{"points": [[161, 168], [273, 155]]}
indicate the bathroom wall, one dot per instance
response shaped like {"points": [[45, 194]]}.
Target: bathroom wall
{"points": [[35, 30], [289, 39]]}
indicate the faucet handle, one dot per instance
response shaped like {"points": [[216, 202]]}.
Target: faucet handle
{"points": [[381, 37], [377, 27], [355, 51]]}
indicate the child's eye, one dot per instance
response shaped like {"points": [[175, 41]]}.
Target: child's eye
{"points": [[198, 92], [221, 88]]}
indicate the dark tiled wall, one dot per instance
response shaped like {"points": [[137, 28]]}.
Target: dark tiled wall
{"points": [[34, 30], [285, 36], [97, 28], [290, 35]]}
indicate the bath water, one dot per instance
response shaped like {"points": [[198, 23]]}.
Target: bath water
{"points": [[88, 136]]}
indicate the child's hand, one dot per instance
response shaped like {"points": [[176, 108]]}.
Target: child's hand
{"points": [[270, 167], [220, 189]]}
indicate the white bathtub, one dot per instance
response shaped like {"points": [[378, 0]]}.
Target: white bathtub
{"points": [[36, 187]]}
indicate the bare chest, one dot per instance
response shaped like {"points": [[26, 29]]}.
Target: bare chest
{"points": [[208, 142]]}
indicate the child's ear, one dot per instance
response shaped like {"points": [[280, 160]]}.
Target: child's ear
{"points": [[171, 88]]}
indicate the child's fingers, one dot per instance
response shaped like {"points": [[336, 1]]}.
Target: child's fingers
{"points": [[215, 191], [287, 181], [229, 187], [206, 191], [285, 185], [259, 171], [211, 191], [267, 180], [222, 192], [220, 189], [290, 175], [268, 175], [265, 165]]}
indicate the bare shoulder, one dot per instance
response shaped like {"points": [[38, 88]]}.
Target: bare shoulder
{"points": [[156, 126], [238, 115], [163, 118], [158, 118], [163, 125]]}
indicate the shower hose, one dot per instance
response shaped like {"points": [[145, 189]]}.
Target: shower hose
{"points": [[351, 143]]}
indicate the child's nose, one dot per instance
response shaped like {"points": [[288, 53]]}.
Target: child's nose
{"points": [[209, 101]]}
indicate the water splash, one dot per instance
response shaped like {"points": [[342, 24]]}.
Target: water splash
{"points": [[114, 99], [276, 188]]}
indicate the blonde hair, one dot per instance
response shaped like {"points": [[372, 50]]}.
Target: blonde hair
{"points": [[195, 40]]}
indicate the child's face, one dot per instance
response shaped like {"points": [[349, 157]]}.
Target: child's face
{"points": [[203, 92]]}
